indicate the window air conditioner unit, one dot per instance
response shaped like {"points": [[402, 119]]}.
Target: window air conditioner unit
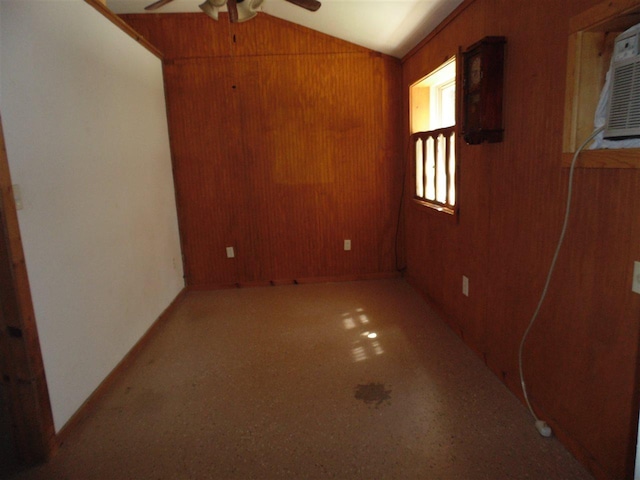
{"points": [[623, 114]]}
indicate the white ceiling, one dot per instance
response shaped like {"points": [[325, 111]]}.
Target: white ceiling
{"points": [[388, 26]]}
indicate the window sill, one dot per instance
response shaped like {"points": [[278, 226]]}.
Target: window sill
{"points": [[435, 209], [605, 158]]}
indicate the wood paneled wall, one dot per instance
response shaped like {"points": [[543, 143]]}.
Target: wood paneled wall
{"points": [[285, 142], [581, 359]]}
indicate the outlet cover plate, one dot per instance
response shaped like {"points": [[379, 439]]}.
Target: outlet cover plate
{"points": [[230, 252], [465, 286]]}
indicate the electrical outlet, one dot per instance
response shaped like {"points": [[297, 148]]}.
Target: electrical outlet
{"points": [[465, 286], [635, 285], [230, 252], [347, 244]]}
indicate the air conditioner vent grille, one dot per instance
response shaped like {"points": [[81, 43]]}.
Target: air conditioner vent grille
{"points": [[624, 109]]}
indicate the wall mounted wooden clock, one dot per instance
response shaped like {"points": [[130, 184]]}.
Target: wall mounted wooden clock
{"points": [[482, 91]]}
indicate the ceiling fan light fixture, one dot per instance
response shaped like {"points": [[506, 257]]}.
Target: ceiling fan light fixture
{"points": [[247, 9], [211, 7], [239, 10]]}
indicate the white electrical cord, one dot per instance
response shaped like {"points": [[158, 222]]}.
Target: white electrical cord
{"points": [[541, 425]]}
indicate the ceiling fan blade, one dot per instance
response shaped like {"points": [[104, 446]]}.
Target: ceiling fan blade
{"points": [[233, 11], [311, 5], [157, 4]]}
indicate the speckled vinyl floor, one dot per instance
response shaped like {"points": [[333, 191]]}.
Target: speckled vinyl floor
{"points": [[348, 380]]}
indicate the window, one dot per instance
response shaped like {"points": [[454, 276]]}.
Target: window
{"points": [[590, 45], [433, 118]]}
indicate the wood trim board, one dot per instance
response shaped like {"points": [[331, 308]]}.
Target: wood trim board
{"points": [[21, 362]]}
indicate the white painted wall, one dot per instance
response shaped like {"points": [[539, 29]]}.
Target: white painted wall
{"points": [[85, 126]]}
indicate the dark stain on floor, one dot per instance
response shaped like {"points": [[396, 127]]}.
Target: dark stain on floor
{"points": [[373, 393]]}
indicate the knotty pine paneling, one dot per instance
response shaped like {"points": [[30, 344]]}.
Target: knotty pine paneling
{"points": [[285, 142], [581, 358]]}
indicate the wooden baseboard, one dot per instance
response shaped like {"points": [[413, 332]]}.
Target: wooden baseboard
{"points": [[89, 404], [303, 280], [349, 278]]}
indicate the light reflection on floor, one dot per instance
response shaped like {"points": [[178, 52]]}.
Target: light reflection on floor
{"points": [[366, 344]]}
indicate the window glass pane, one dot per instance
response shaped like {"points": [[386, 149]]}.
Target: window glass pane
{"points": [[447, 102], [430, 173], [441, 174], [452, 170], [432, 99]]}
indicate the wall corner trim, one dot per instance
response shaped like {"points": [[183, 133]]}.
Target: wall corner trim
{"points": [[122, 25]]}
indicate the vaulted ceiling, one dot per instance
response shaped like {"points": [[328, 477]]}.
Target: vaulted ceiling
{"points": [[388, 26]]}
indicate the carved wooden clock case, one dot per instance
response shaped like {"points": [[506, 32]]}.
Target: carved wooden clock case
{"points": [[482, 91]]}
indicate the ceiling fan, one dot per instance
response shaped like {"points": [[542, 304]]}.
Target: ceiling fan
{"points": [[239, 10]]}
